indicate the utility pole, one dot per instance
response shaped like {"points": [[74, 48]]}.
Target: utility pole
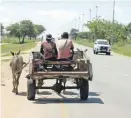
{"points": [[90, 21], [113, 11], [83, 23], [113, 18], [75, 23], [75, 28], [96, 11], [78, 23], [90, 14], [96, 24]]}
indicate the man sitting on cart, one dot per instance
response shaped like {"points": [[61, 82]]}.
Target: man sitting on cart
{"points": [[48, 49], [65, 47]]}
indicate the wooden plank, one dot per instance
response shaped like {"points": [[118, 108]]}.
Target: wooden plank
{"points": [[54, 62], [64, 73]]}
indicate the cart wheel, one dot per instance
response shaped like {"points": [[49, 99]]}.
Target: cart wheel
{"points": [[31, 91], [84, 90]]}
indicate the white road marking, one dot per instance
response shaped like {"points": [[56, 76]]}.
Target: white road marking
{"points": [[105, 65], [124, 74]]}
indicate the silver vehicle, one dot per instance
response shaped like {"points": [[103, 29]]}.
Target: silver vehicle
{"points": [[102, 46]]}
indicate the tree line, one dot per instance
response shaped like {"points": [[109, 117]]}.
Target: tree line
{"points": [[22, 29], [104, 29]]}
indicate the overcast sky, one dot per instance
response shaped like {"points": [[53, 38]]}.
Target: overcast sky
{"points": [[59, 16]]}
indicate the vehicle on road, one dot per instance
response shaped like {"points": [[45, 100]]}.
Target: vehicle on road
{"points": [[102, 46], [79, 70]]}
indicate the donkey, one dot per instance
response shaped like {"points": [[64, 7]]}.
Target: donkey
{"points": [[16, 65]]}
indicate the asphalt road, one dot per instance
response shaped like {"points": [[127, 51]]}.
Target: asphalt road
{"points": [[110, 94]]}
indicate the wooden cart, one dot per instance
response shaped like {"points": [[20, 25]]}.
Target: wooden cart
{"points": [[79, 70]]}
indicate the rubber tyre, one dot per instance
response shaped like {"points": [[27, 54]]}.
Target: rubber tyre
{"points": [[31, 91], [108, 53], [94, 52], [84, 90]]}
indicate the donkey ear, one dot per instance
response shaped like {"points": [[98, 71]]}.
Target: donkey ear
{"points": [[18, 52], [85, 50], [12, 53]]}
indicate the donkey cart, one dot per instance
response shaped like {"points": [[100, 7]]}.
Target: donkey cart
{"points": [[79, 70]]}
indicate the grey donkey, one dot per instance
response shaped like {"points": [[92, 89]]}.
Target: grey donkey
{"points": [[17, 64]]}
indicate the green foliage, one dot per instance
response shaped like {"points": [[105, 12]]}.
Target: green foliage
{"points": [[14, 29], [38, 29], [84, 35], [73, 33], [25, 29], [105, 29], [129, 30], [84, 42], [1, 29], [14, 40]]}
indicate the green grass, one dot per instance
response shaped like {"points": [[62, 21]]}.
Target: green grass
{"points": [[121, 48], [5, 60], [15, 40], [84, 42], [124, 49], [8, 54], [15, 46]]}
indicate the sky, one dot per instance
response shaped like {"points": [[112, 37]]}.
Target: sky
{"points": [[58, 16]]}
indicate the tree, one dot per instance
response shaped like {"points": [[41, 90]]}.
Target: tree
{"points": [[38, 29], [26, 29], [129, 30], [83, 35], [14, 30], [105, 29], [1, 29], [73, 33]]}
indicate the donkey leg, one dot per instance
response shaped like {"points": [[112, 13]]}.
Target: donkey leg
{"points": [[13, 82], [17, 82]]}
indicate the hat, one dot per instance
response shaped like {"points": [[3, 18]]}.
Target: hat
{"points": [[49, 37]]}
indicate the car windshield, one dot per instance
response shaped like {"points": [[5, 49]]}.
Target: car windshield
{"points": [[103, 42]]}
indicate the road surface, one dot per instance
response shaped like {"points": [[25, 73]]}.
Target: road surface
{"points": [[110, 93]]}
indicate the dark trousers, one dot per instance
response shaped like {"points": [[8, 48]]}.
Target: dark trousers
{"points": [[64, 59], [50, 59]]}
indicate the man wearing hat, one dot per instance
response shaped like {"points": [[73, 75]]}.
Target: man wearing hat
{"points": [[48, 48]]}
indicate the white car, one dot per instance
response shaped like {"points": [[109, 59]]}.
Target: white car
{"points": [[102, 46]]}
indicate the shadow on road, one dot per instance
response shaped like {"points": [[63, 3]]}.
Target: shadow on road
{"points": [[3, 84], [40, 93], [64, 99], [67, 100], [74, 93], [69, 93], [102, 54], [94, 94], [45, 93], [22, 93]]}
